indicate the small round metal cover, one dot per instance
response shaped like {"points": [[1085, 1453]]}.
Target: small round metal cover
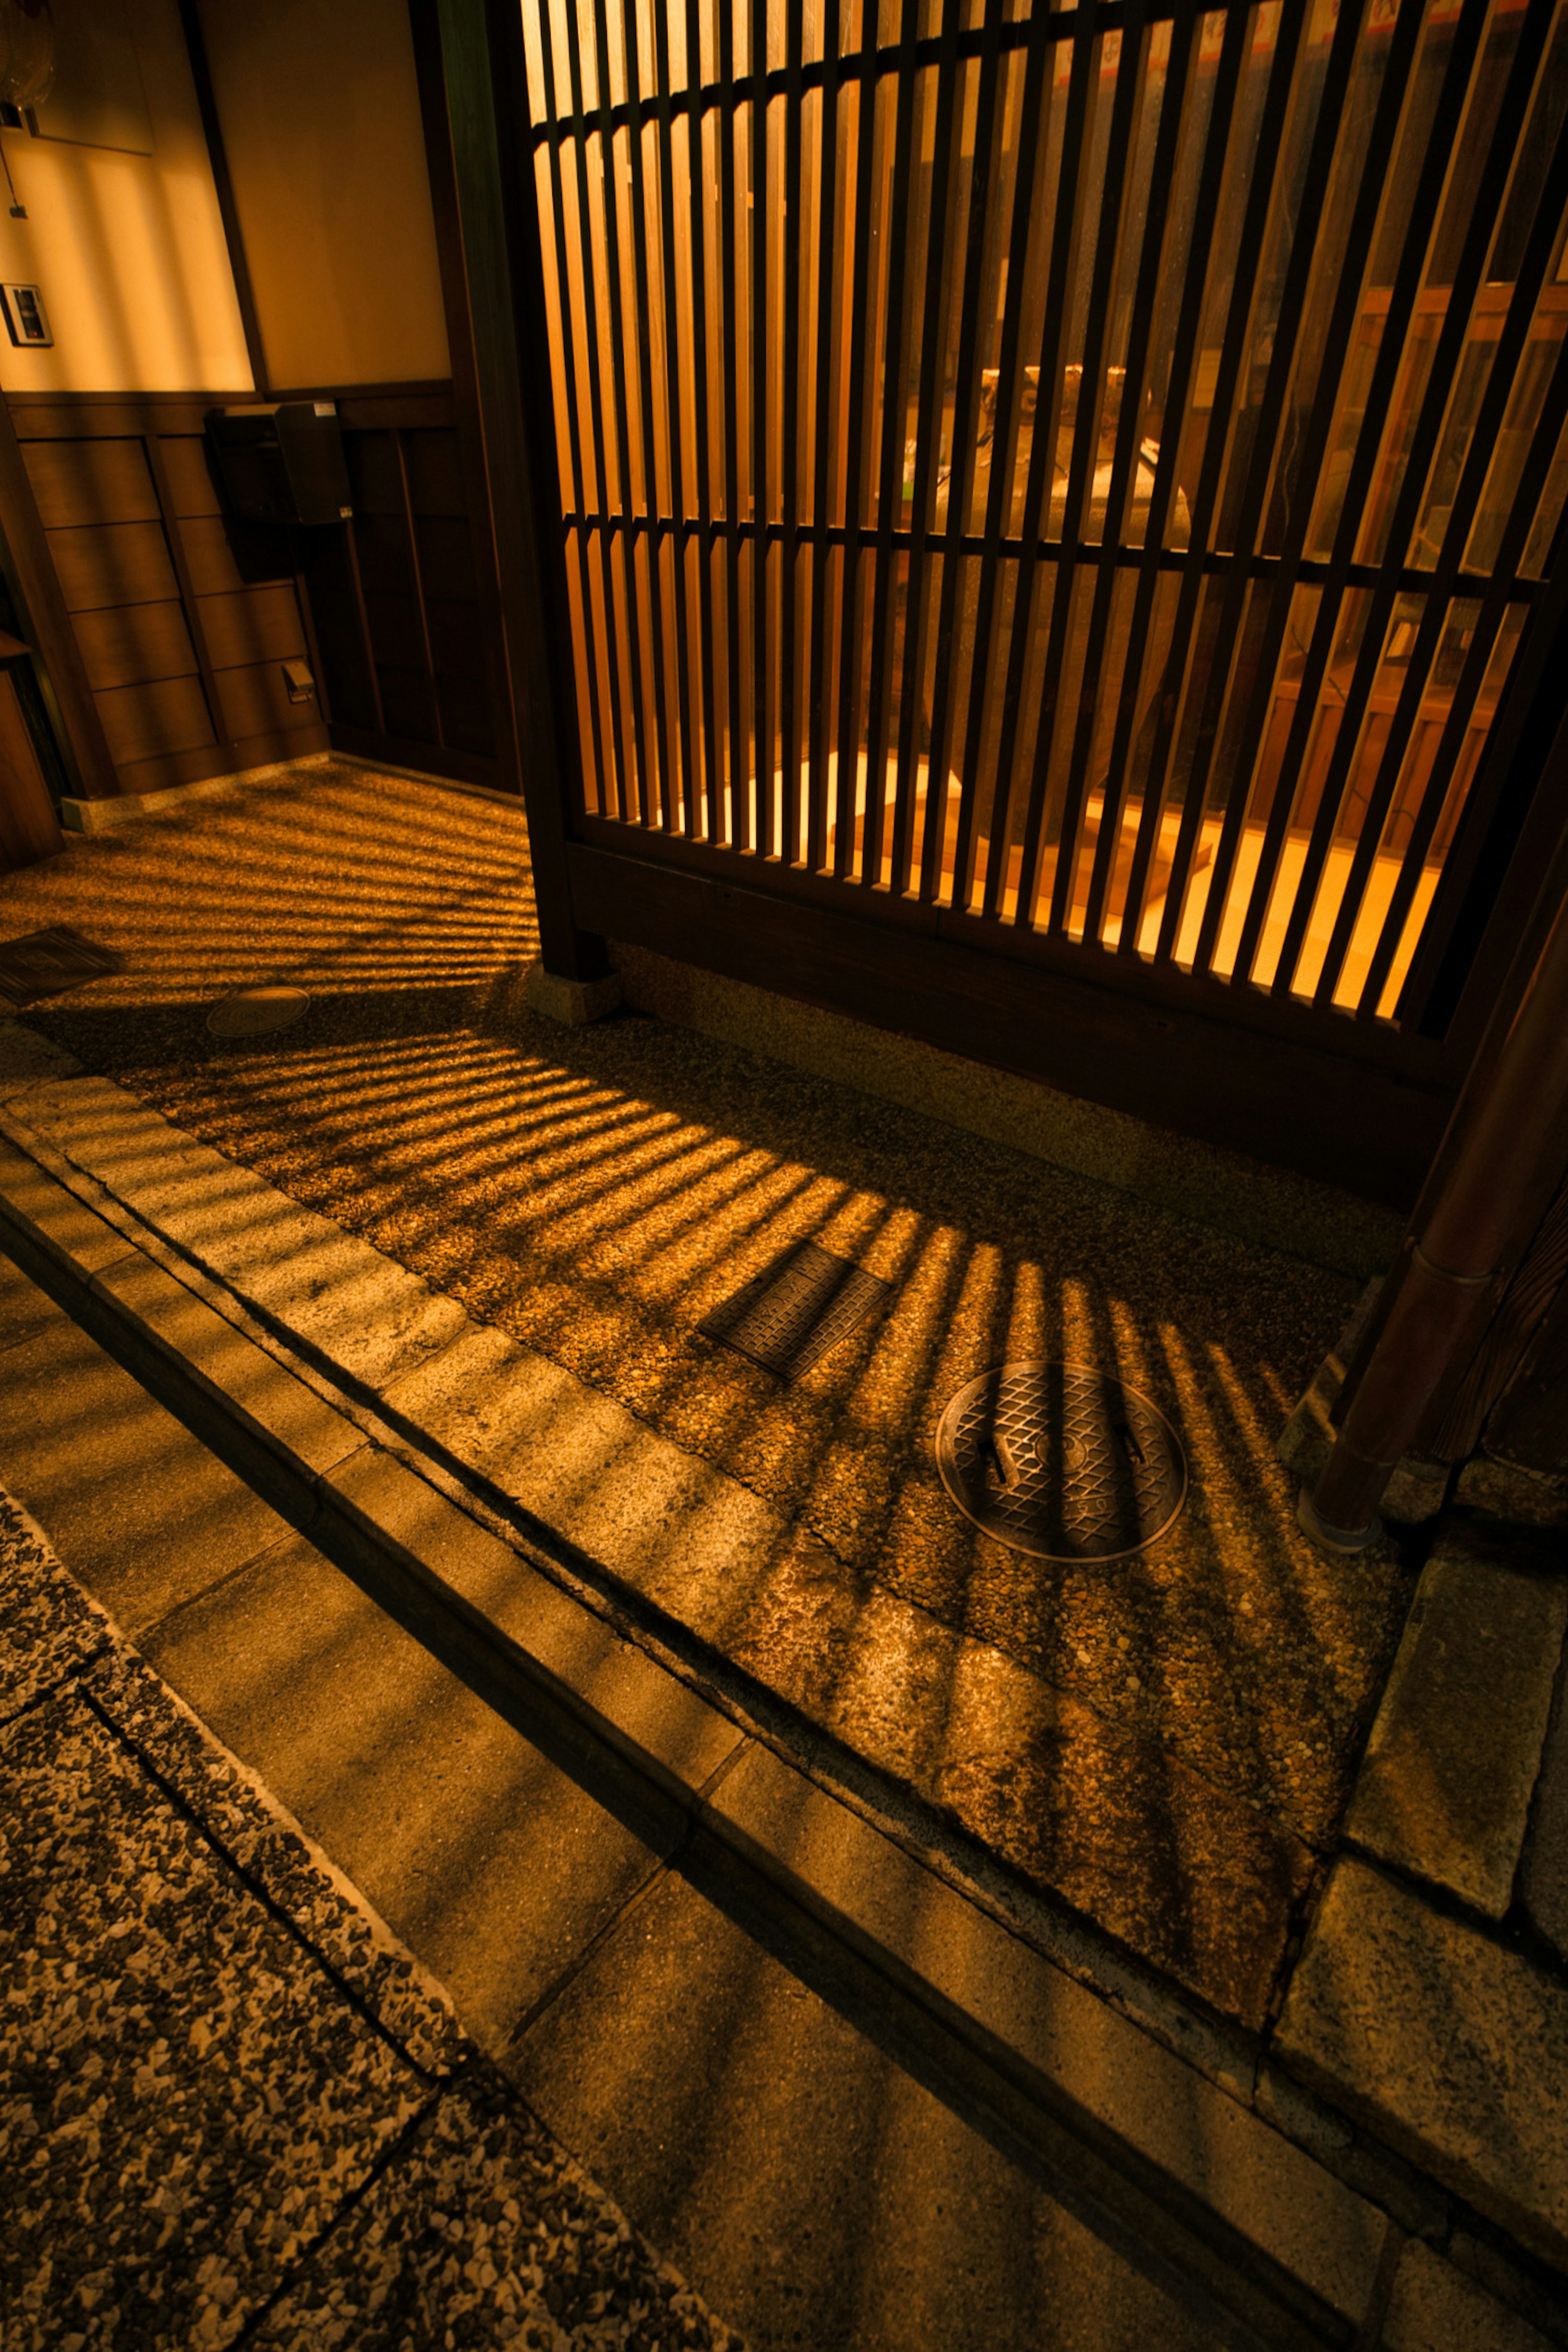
{"points": [[255, 1012], [1061, 1462]]}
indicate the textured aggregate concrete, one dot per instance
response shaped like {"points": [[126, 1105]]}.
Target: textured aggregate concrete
{"points": [[229, 2103], [592, 1194]]}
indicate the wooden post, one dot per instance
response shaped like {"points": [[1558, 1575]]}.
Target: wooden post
{"points": [[1510, 1122], [485, 94]]}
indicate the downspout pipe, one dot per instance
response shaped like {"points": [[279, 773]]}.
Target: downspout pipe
{"points": [[1510, 1113]]}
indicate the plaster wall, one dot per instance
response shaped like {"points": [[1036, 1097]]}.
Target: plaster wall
{"points": [[122, 235], [319, 112]]}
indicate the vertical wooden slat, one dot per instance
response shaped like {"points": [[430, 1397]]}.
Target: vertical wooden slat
{"points": [[1123, 476], [1129, 74], [792, 341], [1467, 278], [675, 416], [697, 178], [982, 196], [661, 780], [1067, 227], [223, 188], [1292, 303], [625, 538], [362, 616], [1494, 604], [1233, 349], [890, 470], [1343, 323], [737, 763], [1409, 276], [570, 382], [619, 796], [1205, 216], [1430, 978], [1004, 417], [850, 596], [762, 762], [928, 442], [829, 357]]}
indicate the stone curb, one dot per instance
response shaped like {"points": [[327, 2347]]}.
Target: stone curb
{"points": [[1259, 2198]]}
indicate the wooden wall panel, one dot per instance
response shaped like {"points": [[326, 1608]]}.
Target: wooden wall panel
{"points": [[183, 627], [144, 721], [209, 551], [90, 482], [125, 643], [254, 701], [178, 613], [191, 482], [113, 563], [256, 624]]}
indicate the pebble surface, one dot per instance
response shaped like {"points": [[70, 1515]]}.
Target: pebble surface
{"points": [[595, 1193], [229, 2101]]}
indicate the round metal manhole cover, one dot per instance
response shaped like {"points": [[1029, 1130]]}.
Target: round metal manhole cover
{"points": [[1060, 1460], [254, 1011]]}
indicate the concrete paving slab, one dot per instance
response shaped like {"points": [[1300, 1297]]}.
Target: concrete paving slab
{"points": [[1451, 2047], [1266, 2188], [662, 1716], [143, 1514], [183, 2069], [483, 2232], [820, 2195], [1445, 1786], [477, 1852], [1435, 2308], [48, 1627], [1544, 1881]]}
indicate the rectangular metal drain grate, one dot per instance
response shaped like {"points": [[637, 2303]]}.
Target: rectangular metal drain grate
{"points": [[797, 1308], [42, 963]]}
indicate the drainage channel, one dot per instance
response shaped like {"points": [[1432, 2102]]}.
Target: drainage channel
{"points": [[1146, 2212]]}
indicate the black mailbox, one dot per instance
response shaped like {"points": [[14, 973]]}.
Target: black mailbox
{"points": [[281, 461]]}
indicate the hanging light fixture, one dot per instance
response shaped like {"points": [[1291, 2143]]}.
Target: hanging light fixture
{"points": [[27, 52], [27, 69]]}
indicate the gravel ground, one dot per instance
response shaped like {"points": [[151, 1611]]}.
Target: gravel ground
{"points": [[595, 1193], [229, 2104]]}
